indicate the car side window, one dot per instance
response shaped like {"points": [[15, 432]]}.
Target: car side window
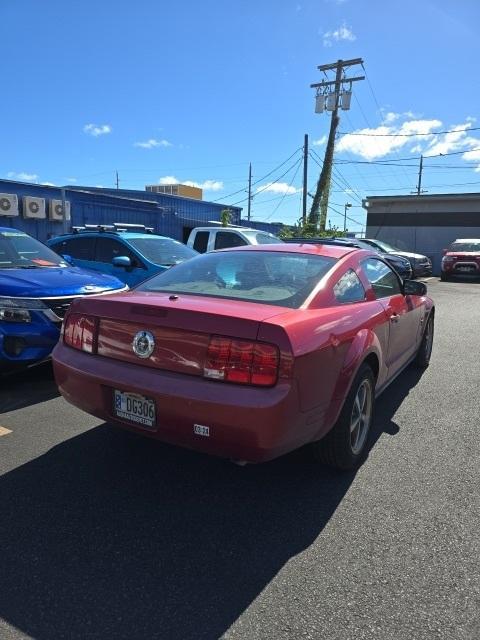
{"points": [[107, 249], [225, 240], [200, 243], [349, 288], [79, 248], [384, 281]]}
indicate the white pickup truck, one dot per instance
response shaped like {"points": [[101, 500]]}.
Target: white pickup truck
{"points": [[204, 239]]}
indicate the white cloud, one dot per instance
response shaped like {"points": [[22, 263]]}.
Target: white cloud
{"points": [[49, 184], [152, 143], [457, 140], [96, 130], [390, 117], [278, 187], [72, 180], [168, 180], [342, 33], [473, 156], [27, 177], [373, 143], [419, 132], [206, 185], [320, 141]]}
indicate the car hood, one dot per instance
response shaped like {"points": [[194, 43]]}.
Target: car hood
{"points": [[52, 282], [409, 255]]}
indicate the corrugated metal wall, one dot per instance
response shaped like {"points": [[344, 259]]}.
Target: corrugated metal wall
{"points": [[169, 215]]}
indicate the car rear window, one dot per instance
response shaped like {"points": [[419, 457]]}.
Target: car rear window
{"points": [[474, 245], [279, 278], [162, 250]]}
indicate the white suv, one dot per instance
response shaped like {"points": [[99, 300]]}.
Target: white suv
{"points": [[204, 239]]}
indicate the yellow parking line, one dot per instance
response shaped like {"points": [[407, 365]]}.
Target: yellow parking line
{"points": [[4, 432]]}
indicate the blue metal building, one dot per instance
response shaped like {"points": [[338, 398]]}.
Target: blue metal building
{"points": [[169, 215]]}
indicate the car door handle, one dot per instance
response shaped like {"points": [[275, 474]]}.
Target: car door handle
{"points": [[394, 317]]}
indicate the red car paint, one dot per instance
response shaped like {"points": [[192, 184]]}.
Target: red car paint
{"points": [[321, 346]]}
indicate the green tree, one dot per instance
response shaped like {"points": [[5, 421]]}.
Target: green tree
{"points": [[309, 230], [225, 217]]}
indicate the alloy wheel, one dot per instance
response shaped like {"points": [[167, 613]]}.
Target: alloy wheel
{"points": [[361, 417]]}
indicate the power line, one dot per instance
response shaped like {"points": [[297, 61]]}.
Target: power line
{"points": [[436, 155], [291, 183], [354, 193], [260, 179], [405, 135], [268, 185]]}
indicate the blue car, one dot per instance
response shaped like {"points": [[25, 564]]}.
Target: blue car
{"points": [[129, 252], [36, 289]]}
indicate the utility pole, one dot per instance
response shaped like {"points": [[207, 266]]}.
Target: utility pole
{"points": [[346, 206], [419, 186], [249, 191], [117, 182], [318, 212], [305, 178]]}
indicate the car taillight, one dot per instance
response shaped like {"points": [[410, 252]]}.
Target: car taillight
{"points": [[242, 361], [80, 332]]}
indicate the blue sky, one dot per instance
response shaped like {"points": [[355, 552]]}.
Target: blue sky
{"points": [[197, 90]]}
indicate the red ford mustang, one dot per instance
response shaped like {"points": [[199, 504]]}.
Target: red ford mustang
{"points": [[251, 352]]}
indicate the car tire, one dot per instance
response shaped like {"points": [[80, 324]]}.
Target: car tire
{"points": [[344, 445], [443, 276], [422, 359]]}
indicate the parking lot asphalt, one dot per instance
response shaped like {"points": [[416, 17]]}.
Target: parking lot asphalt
{"points": [[104, 534]]}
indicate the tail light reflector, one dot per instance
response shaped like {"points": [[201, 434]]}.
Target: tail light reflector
{"points": [[242, 361], [80, 332]]}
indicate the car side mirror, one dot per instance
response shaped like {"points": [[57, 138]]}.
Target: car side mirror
{"points": [[122, 261], [67, 258], [414, 288]]}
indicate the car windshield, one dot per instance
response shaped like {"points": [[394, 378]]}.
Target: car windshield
{"points": [[267, 238], [19, 250], [470, 246], [279, 278], [162, 250]]}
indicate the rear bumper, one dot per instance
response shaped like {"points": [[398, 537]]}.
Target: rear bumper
{"points": [[245, 423], [461, 268]]}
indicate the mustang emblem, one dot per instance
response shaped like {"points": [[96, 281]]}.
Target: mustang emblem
{"points": [[143, 344]]}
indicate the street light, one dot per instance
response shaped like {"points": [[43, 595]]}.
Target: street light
{"points": [[347, 206]]}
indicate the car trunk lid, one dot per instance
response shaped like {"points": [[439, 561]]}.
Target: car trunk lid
{"points": [[181, 326]]}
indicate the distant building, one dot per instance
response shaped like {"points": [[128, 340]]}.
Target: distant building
{"points": [[184, 190], [37, 209], [424, 224]]}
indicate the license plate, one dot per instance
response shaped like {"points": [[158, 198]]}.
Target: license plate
{"points": [[465, 268], [134, 408]]}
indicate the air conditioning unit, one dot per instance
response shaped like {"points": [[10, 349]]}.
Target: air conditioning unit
{"points": [[56, 210], [8, 204], [34, 207]]}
